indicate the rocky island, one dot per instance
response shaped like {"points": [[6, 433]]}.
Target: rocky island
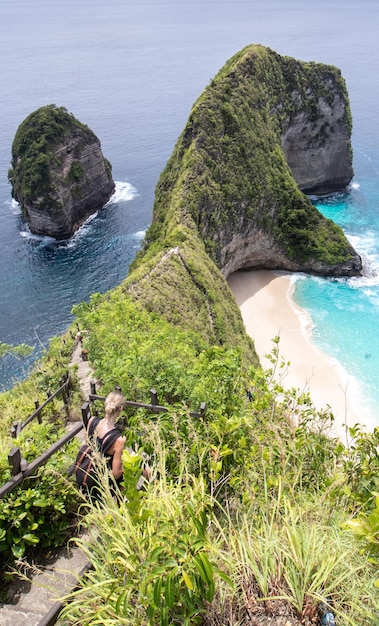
{"points": [[59, 175], [265, 130]]}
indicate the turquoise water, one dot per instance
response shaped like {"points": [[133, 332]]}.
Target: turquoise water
{"points": [[345, 312]]}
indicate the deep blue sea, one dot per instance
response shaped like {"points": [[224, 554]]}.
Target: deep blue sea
{"points": [[131, 70]]}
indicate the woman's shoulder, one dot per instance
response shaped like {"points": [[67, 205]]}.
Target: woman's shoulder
{"points": [[92, 423], [111, 435]]}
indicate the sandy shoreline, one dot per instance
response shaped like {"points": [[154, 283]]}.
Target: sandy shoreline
{"points": [[267, 308]]}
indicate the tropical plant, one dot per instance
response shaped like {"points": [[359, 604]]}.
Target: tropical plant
{"points": [[39, 511], [295, 556], [151, 561], [361, 465], [365, 528]]}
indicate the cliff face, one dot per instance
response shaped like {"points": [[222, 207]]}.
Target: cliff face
{"points": [[266, 128], [59, 174], [316, 141]]}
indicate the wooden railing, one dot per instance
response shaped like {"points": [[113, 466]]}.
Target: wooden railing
{"points": [[153, 406], [21, 470], [63, 390]]}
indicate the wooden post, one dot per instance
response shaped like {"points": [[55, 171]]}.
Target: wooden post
{"points": [[65, 398], [63, 392], [15, 430], [65, 395], [153, 397], [86, 413], [39, 416], [93, 387], [14, 459]]}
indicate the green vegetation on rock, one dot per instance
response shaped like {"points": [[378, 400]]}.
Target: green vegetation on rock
{"points": [[59, 175], [33, 152], [228, 175]]}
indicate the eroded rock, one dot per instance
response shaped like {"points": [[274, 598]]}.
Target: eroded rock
{"points": [[59, 175], [266, 129]]}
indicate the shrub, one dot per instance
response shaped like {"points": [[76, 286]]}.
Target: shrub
{"points": [[39, 511], [151, 564]]}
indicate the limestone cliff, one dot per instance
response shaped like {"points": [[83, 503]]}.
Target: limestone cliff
{"points": [[266, 128], [59, 175], [316, 134]]}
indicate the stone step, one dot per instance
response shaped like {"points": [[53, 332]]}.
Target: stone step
{"points": [[31, 599], [12, 617]]}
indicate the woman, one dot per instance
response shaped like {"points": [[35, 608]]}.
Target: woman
{"points": [[105, 439], [109, 442], [106, 431]]}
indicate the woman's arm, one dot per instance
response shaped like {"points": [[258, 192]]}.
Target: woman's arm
{"points": [[117, 468]]}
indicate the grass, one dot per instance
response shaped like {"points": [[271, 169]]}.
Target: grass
{"points": [[293, 557], [280, 559]]}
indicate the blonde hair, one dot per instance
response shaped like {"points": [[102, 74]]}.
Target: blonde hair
{"points": [[113, 403]]}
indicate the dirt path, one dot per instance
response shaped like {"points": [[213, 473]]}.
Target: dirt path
{"points": [[85, 372]]}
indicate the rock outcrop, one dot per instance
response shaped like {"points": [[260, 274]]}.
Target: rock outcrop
{"points": [[266, 129], [59, 175], [316, 141]]}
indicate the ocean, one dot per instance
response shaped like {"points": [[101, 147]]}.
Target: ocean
{"points": [[131, 71]]}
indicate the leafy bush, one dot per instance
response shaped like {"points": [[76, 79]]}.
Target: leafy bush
{"points": [[361, 465], [152, 564], [366, 529], [39, 511]]}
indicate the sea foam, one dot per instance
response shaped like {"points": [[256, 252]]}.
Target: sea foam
{"points": [[123, 192]]}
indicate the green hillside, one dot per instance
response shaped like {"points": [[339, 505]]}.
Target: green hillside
{"points": [[245, 521]]}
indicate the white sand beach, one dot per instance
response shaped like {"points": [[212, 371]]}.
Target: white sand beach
{"points": [[268, 310]]}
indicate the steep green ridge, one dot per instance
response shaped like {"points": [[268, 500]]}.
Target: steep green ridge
{"points": [[229, 182], [184, 285], [228, 174]]}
